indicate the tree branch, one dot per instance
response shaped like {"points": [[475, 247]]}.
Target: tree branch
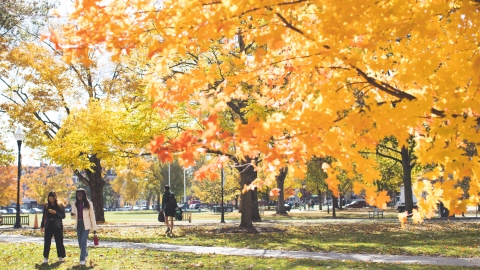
{"points": [[389, 157]]}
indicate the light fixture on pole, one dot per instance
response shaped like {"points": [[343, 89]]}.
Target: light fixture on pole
{"points": [[223, 210], [19, 136]]}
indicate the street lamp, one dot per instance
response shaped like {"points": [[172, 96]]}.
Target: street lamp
{"points": [[19, 136]]}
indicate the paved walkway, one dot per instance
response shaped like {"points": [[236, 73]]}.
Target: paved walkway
{"points": [[425, 260]]}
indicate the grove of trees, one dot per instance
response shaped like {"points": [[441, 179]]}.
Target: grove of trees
{"points": [[262, 86]]}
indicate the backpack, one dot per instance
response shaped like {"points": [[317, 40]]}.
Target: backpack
{"points": [[171, 201], [178, 214]]}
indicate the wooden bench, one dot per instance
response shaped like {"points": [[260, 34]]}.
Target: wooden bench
{"points": [[10, 220], [375, 213]]}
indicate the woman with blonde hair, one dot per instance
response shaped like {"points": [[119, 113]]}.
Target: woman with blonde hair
{"points": [[85, 221], [53, 213]]}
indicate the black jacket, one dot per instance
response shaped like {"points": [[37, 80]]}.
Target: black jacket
{"points": [[57, 218]]}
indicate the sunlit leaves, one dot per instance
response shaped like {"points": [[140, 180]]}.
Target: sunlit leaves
{"points": [[407, 72]]}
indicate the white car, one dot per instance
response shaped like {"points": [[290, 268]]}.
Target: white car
{"points": [[24, 211], [3, 211], [35, 210]]}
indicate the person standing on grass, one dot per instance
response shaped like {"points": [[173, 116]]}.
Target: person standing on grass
{"points": [[169, 204], [53, 213], [85, 221]]}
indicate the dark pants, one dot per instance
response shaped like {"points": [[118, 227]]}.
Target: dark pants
{"points": [[58, 233]]}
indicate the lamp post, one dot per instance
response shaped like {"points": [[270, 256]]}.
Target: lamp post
{"points": [[19, 136], [223, 210]]}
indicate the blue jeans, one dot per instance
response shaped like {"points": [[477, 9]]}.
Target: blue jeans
{"points": [[82, 236]]}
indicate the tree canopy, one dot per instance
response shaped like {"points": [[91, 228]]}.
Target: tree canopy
{"points": [[338, 76]]}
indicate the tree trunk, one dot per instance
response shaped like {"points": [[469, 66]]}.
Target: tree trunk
{"points": [[319, 199], [334, 205], [247, 176], [147, 203], [254, 209], [341, 202], [407, 179], [280, 184], [95, 182], [268, 198]]}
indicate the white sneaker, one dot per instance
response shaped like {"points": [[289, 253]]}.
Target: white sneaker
{"points": [[45, 260], [60, 259], [82, 262]]}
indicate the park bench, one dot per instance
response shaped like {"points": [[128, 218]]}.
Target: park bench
{"points": [[186, 216], [376, 212], [10, 220]]}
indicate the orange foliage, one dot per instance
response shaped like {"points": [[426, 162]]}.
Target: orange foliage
{"points": [[325, 86], [8, 184]]}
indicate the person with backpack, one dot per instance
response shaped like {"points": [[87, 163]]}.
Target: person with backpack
{"points": [[178, 213], [169, 204]]}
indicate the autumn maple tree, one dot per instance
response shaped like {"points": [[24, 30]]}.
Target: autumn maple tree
{"points": [[40, 181], [338, 76], [8, 184]]}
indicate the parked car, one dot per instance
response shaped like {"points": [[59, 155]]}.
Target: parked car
{"points": [[35, 210], [11, 210], [3, 211], [357, 204], [136, 208], [68, 209], [24, 211], [194, 202]]}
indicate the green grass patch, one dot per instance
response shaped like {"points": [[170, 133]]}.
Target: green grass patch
{"points": [[29, 256], [451, 239]]}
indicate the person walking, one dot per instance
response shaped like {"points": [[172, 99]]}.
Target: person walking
{"points": [[85, 221], [53, 213], [169, 204]]}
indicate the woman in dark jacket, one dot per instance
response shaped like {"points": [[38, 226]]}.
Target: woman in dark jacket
{"points": [[53, 213]]}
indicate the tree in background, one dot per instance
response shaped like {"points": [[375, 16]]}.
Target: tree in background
{"points": [[210, 190], [8, 184], [404, 155], [40, 181], [101, 122], [22, 19], [315, 178]]}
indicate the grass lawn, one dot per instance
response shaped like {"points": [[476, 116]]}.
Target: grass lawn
{"points": [[29, 256], [451, 239], [312, 215]]}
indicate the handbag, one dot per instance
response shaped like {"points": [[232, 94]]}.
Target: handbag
{"points": [[95, 239], [161, 216]]}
